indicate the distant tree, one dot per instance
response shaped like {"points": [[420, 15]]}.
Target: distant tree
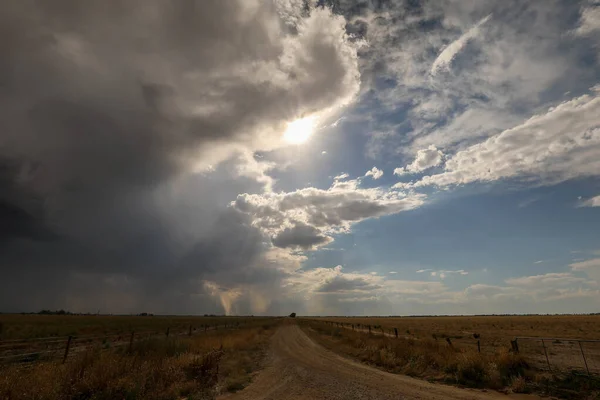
{"points": [[293, 315]]}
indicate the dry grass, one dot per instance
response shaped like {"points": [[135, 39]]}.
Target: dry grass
{"points": [[495, 331], [195, 368], [425, 358], [18, 326], [435, 360]]}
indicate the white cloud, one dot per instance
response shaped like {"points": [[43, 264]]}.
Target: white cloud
{"points": [[375, 173], [442, 274], [445, 58], [590, 267], [341, 177], [561, 144], [589, 22], [307, 217], [392, 272], [591, 202], [549, 279], [425, 159], [538, 261], [332, 280]]}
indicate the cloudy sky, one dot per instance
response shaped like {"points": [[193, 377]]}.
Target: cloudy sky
{"points": [[355, 157]]}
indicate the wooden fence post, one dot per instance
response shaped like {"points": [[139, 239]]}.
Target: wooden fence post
{"points": [[67, 348], [352, 326], [583, 355], [190, 332], [168, 329], [478, 346], [396, 332], [515, 345], [546, 353], [205, 327], [369, 329]]}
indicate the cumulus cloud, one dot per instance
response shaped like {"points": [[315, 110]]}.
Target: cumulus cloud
{"points": [[589, 22], [374, 173], [591, 202], [561, 144], [425, 159], [300, 236], [116, 167], [307, 217], [332, 280], [444, 60]]}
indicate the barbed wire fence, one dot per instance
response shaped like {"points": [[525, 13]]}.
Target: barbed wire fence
{"points": [[559, 354], [555, 355], [28, 351]]}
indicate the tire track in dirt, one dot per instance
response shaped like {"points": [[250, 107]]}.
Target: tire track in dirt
{"points": [[298, 368]]}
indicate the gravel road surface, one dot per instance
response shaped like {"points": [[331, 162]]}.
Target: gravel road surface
{"points": [[298, 368]]}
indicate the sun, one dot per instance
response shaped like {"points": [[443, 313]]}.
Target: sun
{"points": [[300, 130]]}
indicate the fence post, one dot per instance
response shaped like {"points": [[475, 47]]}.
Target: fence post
{"points": [[369, 329], [515, 345], [583, 355], [546, 353], [396, 332], [67, 348], [190, 332], [205, 327], [449, 342], [168, 329], [478, 346], [131, 341], [352, 326]]}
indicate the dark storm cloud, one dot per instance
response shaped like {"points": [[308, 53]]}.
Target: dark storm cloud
{"points": [[105, 110], [342, 283], [300, 236]]}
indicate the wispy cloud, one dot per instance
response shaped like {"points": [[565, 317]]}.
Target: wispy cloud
{"points": [[445, 58], [442, 273]]}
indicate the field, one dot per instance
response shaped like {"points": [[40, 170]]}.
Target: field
{"points": [[29, 326], [165, 358], [471, 351]]}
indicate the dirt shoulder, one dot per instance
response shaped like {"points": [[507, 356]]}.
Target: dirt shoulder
{"points": [[299, 368]]}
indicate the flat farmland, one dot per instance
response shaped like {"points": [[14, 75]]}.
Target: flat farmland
{"points": [[32, 326], [495, 334]]}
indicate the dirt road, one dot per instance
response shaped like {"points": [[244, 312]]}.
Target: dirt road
{"points": [[299, 368]]}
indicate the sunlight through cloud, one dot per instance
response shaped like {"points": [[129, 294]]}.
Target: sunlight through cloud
{"points": [[300, 130]]}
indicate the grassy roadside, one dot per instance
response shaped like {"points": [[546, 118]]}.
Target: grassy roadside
{"points": [[437, 362], [197, 367]]}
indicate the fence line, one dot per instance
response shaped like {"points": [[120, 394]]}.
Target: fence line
{"points": [[554, 354], [561, 353], [68, 344]]}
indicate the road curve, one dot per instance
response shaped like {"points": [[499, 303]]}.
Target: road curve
{"points": [[298, 368]]}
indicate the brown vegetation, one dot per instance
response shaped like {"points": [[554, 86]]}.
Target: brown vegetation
{"points": [[26, 326], [194, 367], [421, 353]]}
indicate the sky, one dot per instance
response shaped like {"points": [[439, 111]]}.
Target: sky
{"points": [[335, 157]]}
